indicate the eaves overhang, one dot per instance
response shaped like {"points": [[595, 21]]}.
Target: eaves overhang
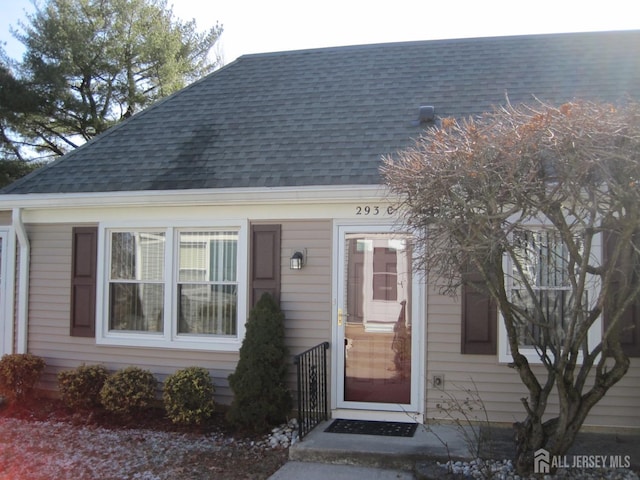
{"points": [[231, 196]]}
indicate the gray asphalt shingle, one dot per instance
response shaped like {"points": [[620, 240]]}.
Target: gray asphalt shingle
{"points": [[326, 116]]}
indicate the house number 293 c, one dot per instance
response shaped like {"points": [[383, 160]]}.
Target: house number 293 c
{"points": [[372, 210]]}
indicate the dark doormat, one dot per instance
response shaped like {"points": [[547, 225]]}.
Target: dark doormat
{"points": [[368, 427]]}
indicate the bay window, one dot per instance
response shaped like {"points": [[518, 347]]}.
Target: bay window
{"points": [[173, 287]]}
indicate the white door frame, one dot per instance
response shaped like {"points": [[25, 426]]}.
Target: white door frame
{"points": [[366, 410]]}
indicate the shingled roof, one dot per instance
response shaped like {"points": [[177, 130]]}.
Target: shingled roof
{"points": [[327, 116]]}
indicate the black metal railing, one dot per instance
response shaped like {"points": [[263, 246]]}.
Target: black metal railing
{"points": [[313, 406]]}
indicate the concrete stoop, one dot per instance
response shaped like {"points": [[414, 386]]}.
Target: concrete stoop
{"points": [[389, 453], [384, 461]]}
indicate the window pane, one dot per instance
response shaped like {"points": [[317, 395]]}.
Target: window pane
{"points": [[136, 307], [385, 274], [207, 309], [551, 308], [137, 255], [208, 257], [544, 260]]}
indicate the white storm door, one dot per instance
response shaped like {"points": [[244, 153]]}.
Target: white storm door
{"points": [[377, 320]]}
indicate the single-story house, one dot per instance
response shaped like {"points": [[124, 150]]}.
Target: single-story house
{"points": [[148, 245]]}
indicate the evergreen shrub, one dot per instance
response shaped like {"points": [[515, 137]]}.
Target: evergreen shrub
{"points": [[188, 396], [19, 373], [261, 396], [80, 388], [129, 391]]}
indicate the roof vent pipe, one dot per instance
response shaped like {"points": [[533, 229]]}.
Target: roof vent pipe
{"points": [[427, 114]]}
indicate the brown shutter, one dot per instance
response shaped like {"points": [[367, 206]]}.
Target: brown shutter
{"points": [[265, 261], [83, 281], [479, 317], [630, 322]]}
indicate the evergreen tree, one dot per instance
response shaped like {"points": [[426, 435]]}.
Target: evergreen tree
{"points": [[261, 396], [92, 63]]}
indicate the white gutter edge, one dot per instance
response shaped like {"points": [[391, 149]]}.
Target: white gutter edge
{"points": [[224, 196], [23, 287]]}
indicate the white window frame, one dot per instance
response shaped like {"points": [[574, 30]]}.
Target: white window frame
{"points": [[169, 337], [595, 332], [7, 284], [177, 282]]}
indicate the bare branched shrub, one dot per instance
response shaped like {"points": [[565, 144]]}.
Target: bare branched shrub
{"points": [[471, 191], [466, 411]]}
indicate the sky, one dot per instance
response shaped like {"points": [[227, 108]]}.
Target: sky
{"points": [[257, 26]]}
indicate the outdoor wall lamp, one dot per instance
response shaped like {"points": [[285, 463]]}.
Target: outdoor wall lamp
{"points": [[297, 261]]}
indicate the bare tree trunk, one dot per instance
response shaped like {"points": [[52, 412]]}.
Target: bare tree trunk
{"points": [[558, 434]]}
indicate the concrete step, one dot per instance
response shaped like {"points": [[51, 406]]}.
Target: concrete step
{"points": [[442, 443], [393, 453]]}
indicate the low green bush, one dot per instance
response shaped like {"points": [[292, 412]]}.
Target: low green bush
{"points": [[129, 391], [19, 373], [188, 396], [80, 388]]}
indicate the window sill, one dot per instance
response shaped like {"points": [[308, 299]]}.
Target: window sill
{"points": [[229, 344], [504, 352], [530, 354]]}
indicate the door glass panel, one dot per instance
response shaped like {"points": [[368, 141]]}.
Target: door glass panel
{"points": [[377, 333]]}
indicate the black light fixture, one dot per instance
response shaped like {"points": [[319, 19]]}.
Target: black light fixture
{"points": [[297, 261]]}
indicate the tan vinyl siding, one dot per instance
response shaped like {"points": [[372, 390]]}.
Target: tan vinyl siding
{"points": [[305, 299], [5, 217], [305, 295], [498, 385], [49, 311], [306, 302]]}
